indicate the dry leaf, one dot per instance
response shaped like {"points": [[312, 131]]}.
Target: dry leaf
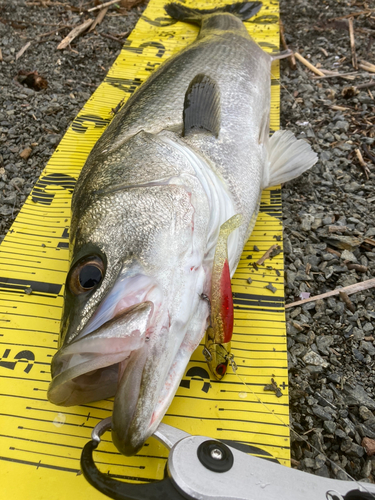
{"points": [[26, 153], [32, 79]]}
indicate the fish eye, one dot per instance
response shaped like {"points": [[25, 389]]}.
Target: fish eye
{"points": [[86, 275]]}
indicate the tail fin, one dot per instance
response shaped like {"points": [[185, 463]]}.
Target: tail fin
{"points": [[243, 10]]}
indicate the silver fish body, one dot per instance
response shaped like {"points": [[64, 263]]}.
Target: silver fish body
{"points": [[146, 215]]}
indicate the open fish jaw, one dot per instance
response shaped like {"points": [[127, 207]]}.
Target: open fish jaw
{"points": [[88, 369]]}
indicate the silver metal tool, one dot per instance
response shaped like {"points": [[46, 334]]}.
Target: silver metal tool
{"points": [[206, 469]]}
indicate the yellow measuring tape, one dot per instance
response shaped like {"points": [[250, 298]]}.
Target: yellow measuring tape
{"points": [[40, 444]]}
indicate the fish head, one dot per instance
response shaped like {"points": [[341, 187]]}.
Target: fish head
{"points": [[132, 311]]}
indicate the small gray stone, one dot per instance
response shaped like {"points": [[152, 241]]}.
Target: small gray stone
{"points": [[341, 125], [323, 342], [340, 433], [271, 287], [368, 347], [4, 210], [309, 462], [346, 255], [358, 333], [290, 277], [17, 181], [11, 199], [314, 370], [352, 187], [368, 327], [356, 450], [357, 354], [320, 413], [335, 378], [367, 468], [358, 396], [323, 472], [365, 413], [320, 460], [329, 426], [313, 358], [346, 444], [287, 246], [306, 222]]}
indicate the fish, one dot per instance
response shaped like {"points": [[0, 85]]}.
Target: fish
{"points": [[189, 151]]}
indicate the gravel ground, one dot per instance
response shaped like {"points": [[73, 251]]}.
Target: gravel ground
{"points": [[329, 222], [329, 216]]}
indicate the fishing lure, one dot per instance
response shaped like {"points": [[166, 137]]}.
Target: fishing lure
{"points": [[219, 333]]}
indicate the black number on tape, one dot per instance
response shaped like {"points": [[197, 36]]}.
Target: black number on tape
{"points": [[124, 84], [81, 123], [39, 194], [197, 373], [27, 356], [166, 34], [139, 50], [151, 67]]}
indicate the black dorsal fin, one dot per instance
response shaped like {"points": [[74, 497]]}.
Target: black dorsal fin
{"points": [[202, 106], [243, 10]]}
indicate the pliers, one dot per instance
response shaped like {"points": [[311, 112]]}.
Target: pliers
{"points": [[201, 468]]}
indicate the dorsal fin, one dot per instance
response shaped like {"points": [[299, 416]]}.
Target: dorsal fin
{"points": [[202, 106]]}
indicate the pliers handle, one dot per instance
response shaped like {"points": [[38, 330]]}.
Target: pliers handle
{"points": [[206, 469]]}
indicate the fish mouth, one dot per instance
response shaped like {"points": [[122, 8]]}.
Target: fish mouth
{"points": [[90, 368], [135, 347]]}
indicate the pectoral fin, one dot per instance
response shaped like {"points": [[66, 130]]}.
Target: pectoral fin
{"points": [[202, 106], [288, 157]]}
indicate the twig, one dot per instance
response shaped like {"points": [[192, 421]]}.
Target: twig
{"points": [[347, 76], [366, 85], [1, 55], [24, 48], [367, 66], [349, 304], [308, 64], [367, 152], [291, 58], [357, 287], [333, 252], [52, 32], [352, 43], [357, 267], [110, 37], [365, 168], [337, 229], [74, 33], [99, 18], [353, 14], [271, 252], [103, 5]]}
